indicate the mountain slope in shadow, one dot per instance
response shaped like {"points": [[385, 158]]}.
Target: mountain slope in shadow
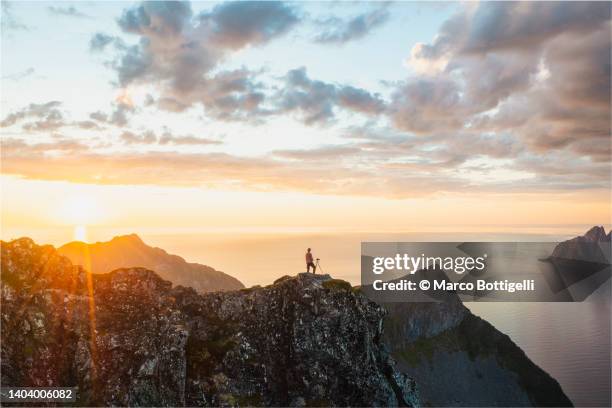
{"points": [[459, 359], [130, 251]]}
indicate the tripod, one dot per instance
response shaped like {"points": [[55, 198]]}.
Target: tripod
{"points": [[318, 266]]}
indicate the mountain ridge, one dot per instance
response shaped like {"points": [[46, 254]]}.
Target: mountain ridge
{"points": [[130, 338], [593, 246], [131, 251]]}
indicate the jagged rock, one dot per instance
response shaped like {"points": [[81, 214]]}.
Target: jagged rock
{"points": [[130, 251], [303, 339], [594, 247], [129, 338], [410, 321], [597, 234], [581, 266]]}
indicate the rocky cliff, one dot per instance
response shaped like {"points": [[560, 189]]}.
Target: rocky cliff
{"points": [[582, 266], [128, 337], [594, 246], [130, 251], [458, 359]]}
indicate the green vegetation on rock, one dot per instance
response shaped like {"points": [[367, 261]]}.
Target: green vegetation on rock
{"points": [[336, 284]]}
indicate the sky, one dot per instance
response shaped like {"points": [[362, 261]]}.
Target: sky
{"points": [[305, 116]]}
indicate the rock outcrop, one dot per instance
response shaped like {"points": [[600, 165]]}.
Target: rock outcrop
{"points": [[128, 337], [582, 266], [409, 322], [458, 359], [130, 251], [594, 246]]}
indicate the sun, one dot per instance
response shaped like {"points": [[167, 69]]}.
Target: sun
{"points": [[80, 211], [80, 233]]}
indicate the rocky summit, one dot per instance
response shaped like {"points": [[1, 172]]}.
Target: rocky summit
{"points": [[128, 337], [593, 246]]}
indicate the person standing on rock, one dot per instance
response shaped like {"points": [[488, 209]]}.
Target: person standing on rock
{"points": [[309, 262]]}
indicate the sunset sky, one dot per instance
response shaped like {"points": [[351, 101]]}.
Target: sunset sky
{"points": [[305, 116]]}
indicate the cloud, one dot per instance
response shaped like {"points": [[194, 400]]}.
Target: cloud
{"points": [[156, 19], [149, 137], [315, 101], [234, 25], [52, 121], [99, 41], [187, 140], [9, 21], [438, 151], [87, 125], [506, 97], [512, 26], [337, 31], [47, 116], [69, 11], [540, 71], [359, 100], [571, 108], [553, 171], [119, 116], [320, 153], [179, 53], [424, 105], [411, 171], [18, 76], [17, 147], [216, 170]]}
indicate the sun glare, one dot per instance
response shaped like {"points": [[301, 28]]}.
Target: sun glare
{"points": [[80, 233], [81, 210]]}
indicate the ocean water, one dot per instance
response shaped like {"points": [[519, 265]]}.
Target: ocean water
{"points": [[571, 341]]}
